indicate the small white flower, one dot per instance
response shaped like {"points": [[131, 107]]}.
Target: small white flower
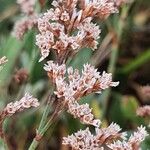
{"points": [[65, 16]]}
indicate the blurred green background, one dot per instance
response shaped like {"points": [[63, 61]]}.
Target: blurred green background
{"points": [[128, 58]]}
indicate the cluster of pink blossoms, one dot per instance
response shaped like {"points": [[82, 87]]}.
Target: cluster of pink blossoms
{"points": [[133, 143], [28, 21], [27, 6], [14, 107], [71, 86], [143, 111], [26, 102], [68, 26], [104, 137]]}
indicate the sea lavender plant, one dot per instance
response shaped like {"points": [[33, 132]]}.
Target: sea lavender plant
{"points": [[65, 29]]}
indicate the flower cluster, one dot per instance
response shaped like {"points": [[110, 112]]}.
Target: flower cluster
{"points": [[85, 140], [68, 26], [78, 85], [3, 60], [24, 25], [28, 21], [143, 111], [133, 142], [71, 86], [27, 6], [82, 140], [83, 112], [26, 102]]}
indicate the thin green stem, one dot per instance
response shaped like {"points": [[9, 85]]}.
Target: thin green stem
{"points": [[112, 63], [33, 145], [111, 68], [114, 55], [44, 118], [42, 129], [48, 124], [35, 142], [136, 63]]}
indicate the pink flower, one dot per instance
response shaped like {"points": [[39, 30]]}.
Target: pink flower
{"points": [[28, 21], [71, 86], [82, 140], [132, 143], [143, 111], [26, 102], [137, 137], [70, 22], [90, 81], [85, 140], [24, 25], [65, 16], [83, 112], [27, 6]]}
